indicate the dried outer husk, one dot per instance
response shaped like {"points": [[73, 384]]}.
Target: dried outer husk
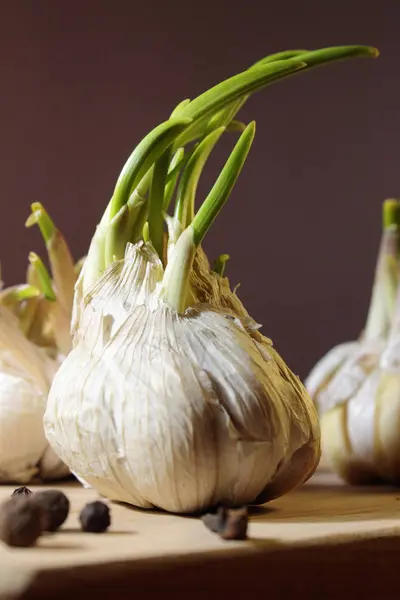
{"points": [[26, 372], [361, 438], [196, 400], [360, 417]]}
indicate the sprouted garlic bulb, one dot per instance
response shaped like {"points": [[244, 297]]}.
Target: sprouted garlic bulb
{"points": [[171, 397], [347, 399], [35, 337], [361, 438], [379, 319]]}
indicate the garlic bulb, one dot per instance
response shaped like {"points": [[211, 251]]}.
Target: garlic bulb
{"points": [[34, 339], [359, 357], [361, 437], [171, 397], [348, 400], [198, 403], [25, 376]]}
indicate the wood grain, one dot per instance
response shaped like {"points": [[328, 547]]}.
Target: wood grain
{"points": [[322, 541]]}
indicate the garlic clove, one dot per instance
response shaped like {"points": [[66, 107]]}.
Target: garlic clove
{"points": [[327, 367], [50, 467]]}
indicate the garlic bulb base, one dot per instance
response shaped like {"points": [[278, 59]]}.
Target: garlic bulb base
{"points": [[295, 473]]}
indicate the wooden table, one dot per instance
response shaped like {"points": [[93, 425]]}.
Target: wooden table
{"points": [[324, 541]]}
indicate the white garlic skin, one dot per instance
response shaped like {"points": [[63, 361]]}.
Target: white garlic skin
{"points": [[326, 367], [25, 375], [179, 412], [361, 433], [24, 449]]}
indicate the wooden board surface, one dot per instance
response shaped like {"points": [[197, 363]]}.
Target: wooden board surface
{"points": [[323, 540]]}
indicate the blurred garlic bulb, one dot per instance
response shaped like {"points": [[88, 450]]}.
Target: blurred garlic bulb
{"points": [[171, 397], [361, 437], [26, 372], [34, 339], [365, 351], [346, 398]]}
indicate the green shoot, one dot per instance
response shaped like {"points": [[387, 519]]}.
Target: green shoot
{"points": [[177, 163], [220, 263], [283, 55], [146, 153], [146, 235], [236, 126], [184, 208], [391, 214], [148, 180], [223, 186], [225, 93], [136, 232], [40, 217], [223, 101], [178, 109], [177, 272], [156, 203], [46, 286], [18, 293]]}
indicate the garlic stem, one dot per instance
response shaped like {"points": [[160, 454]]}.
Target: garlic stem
{"points": [[220, 263], [236, 126], [383, 296], [43, 275], [40, 217], [156, 202], [175, 284], [146, 234], [62, 265], [127, 223], [316, 58], [177, 273], [391, 214], [177, 163], [146, 153], [179, 108], [219, 194], [285, 54], [190, 120], [231, 103], [137, 229], [221, 96], [18, 293], [185, 199]]}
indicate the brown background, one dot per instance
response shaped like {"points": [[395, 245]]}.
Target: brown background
{"points": [[82, 82]]}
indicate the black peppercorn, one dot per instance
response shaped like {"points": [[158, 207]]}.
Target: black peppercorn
{"points": [[21, 522], [22, 491], [229, 523], [95, 517], [55, 505]]}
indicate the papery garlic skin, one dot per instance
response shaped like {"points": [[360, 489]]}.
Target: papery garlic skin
{"points": [[22, 439], [361, 431], [24, 450], [327, 366], [346, 383], [180, 412], [25, 375]]}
